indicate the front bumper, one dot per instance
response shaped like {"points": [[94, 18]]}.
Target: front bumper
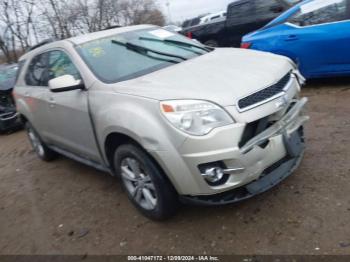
{"points": [[9, 121], [269, 178], [245, 164]]}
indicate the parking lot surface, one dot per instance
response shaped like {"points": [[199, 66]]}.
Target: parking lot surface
{"points": [[64, 207]]}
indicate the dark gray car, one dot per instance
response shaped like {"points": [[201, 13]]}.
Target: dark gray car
{"points": [[8, 116]]}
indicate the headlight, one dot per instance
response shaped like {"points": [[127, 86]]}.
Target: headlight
{"points": [[195, 117]]}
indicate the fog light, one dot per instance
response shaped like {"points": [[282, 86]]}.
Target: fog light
{"points": [[213, 174]]}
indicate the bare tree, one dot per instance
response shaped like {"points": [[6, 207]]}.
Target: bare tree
{"points": [[25, 22]]}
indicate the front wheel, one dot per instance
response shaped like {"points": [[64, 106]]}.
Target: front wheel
{"points": [[146, 186]]}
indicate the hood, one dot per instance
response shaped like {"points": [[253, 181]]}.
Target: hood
{"points": [[7, 86], [7, 77], [222, 76]]}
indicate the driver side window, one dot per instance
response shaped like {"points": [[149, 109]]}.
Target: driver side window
{"points": [[37, 74], [315, 13], [60, 64]]}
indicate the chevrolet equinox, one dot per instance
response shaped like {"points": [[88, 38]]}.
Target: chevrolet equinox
{"points": [[177, 121]]}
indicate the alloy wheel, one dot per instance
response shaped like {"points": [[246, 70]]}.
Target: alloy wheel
{"points": [[138, 183]]}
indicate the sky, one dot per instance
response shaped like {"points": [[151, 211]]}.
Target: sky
{"points": [[183, 9]]}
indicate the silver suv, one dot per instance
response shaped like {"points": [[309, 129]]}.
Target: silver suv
{"points": [[174, 119]]}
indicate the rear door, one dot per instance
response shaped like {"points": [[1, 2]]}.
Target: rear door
{"points": [[70, 124], [319, 37]]}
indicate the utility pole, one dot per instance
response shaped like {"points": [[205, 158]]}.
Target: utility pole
{"points": [[169, 12]]}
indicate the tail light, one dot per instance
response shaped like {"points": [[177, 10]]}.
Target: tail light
{"points": [[189, 35], [246, 45]]}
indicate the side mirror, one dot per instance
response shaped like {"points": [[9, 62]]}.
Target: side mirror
{"points": [[65, 83]]}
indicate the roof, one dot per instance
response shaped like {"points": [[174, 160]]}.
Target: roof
{"points": [[101, 34], [77, 40]]}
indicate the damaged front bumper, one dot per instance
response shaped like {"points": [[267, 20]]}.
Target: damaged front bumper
{"points": [[270, 178], [9, 121], [289, 131], [9, 118], [286, 126]]}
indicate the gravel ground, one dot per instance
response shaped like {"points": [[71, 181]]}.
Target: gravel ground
{"points": [[64, 207]]}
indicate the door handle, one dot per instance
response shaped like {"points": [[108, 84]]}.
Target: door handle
{"points": [[52, 102], [291, 38], [26, 94]]}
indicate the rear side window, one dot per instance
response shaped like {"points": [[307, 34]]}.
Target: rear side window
{"points": [[240, 13], [321, 12], [269, 9], [37, 71], [195, 21], [60, 64]]}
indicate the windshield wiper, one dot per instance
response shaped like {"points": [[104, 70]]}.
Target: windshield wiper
{"points": [[144, 50], [176, 42]]}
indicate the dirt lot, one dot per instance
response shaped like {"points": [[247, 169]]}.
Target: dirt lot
{"points": [[64, 207]]}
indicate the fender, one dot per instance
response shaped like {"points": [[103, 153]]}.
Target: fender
{"points": [[117, 115], [22, 107]]}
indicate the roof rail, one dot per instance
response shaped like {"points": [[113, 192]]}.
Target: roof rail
{"points": [[47, 41], [112, 27]]}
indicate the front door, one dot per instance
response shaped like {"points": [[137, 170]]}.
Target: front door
{"points": [[34, 95], [318, 35], [70, 123]]}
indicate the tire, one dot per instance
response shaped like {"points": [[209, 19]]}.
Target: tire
{"points": [[211, 43], [144, 182], [38, 145]]}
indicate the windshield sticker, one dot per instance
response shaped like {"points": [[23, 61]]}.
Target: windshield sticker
{"points": [[97, 51], [161, 33], [317, 4]]}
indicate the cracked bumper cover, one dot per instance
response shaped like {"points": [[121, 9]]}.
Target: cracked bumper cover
{"points": [[290, 127]]}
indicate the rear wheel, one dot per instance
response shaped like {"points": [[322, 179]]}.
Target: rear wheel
{"points": [[146, 186], [38, 145]]}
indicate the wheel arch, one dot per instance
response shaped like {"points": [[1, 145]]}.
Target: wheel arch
{"points": [[23, 118], [113, 141], [116, 139]]}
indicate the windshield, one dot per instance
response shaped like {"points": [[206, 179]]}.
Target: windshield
{"points": [[8, 77], [129, 55]]}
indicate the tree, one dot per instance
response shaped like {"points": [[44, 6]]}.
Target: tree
{"points": [[26, 22]]}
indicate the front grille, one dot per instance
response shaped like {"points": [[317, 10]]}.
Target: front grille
{"points": [[6, 103], [255, 128], [265, 93]]}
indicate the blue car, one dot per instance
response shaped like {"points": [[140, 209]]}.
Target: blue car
{"points": [[314, 34]]}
